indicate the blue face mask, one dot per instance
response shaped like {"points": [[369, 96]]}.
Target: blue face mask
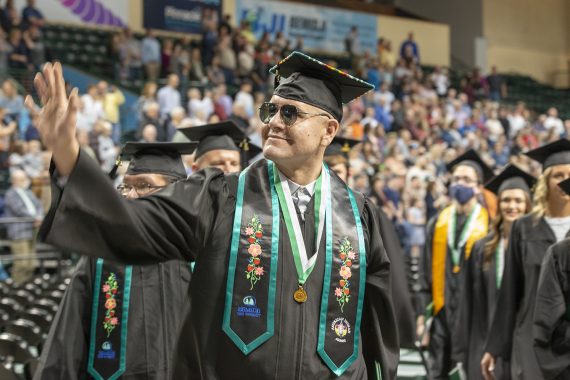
{"points": [[461, 193]]}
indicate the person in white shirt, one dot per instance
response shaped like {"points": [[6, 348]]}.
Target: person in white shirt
{"points": [[554, 122], [169, 96], [92, 106]]}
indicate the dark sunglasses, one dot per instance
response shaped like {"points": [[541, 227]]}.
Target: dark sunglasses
{"points": [[288, 113]]}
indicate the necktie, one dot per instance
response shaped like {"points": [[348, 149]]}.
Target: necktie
{"points": [[301, 198]]}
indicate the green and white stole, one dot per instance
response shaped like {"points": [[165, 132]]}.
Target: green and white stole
{"points": [[249, 315], [109, 316]]}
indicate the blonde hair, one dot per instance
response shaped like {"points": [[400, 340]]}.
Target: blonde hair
{"points": [[541, 194]]}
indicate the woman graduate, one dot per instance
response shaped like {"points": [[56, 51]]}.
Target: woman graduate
{"points": [[264, 303], [484, 271], [551, 328], [510, 335], [118, 320]]}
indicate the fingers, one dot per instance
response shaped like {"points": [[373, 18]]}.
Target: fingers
{"points": [[73, 104], [41, 87], [61, 95], [50, 81], [30, 105]]}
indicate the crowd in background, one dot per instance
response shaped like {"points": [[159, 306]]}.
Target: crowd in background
{"points": [[410, 125]]}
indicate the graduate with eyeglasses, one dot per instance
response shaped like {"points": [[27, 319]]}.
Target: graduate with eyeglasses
{"points": [[120, 320], [450, 236], [269, 299]]}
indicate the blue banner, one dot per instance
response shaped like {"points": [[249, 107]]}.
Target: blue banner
{"points": [[178, 15], [322, 28]]}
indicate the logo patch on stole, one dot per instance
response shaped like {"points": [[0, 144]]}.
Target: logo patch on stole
{"points": [[341, 328], [106, 351], [249, 309]]}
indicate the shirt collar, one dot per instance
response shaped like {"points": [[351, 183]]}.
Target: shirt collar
{"points": [[293, 187]]}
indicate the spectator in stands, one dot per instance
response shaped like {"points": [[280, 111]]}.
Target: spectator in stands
{"points": [[168, 96], [148, 95], [20, 202], [198, 72], [33, 39], [245, 98], [409, 49], [20, 56], [9, 17], [497, 85], [33, 163], [149, 134], [177, 116], [32, 16], [228, 58], [150, 55], [32, 132], [112, 99], [166, 56], [352, 43], [151, 115], [553, 122], [132, 55], [107, 149], [83, 140], [215, 73], [92, 105], [10, 100]]}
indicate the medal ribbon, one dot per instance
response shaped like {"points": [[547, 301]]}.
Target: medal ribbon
{"points": [[500, 261], [467, 229], [303, 264], [109, 317]]}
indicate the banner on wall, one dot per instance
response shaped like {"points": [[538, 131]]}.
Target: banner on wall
{"points": [[179, 15], [322, 28], [96, 12]]}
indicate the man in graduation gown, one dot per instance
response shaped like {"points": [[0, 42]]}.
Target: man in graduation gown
{"points": [[551, 326], [484, 272], [116, 320], [273, 311], [449, 240], [510, 335], [221, 145], [336, 157]]}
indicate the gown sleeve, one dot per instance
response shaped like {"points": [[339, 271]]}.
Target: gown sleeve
{"points": [[500, 337], [88, 216], [64, 354], [424, 294], [551, 330], [381, 348]]}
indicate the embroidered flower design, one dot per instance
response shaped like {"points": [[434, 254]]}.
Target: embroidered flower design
{"points": [[347, 256], [254, 232], [110, 289]]}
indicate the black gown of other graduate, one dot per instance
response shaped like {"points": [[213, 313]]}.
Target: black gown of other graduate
{"points": [[510, 336], [551, 328], [193, 220], [442, 337], [158, 305], [477, 307], [402, 299]]}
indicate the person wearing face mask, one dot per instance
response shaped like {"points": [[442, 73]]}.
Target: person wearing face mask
{"points": [[116, 320], [450, 236], [484, 271], [551, 325], [221, 145], [268, 299], [510, 336]]}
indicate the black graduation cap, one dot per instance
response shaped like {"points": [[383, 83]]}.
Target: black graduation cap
{"points": [[555, 153], [225, 135], [305, 79], [161, 158], [472, 159], [341, 146], [511, 177], [565, 185]]}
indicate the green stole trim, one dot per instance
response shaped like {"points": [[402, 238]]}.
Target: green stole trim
{"points": [[95, 323]]}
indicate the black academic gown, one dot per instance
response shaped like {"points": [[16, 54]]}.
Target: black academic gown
{"points": [[477, 307], [510, 336], [400, 290], [442, 338], [193, 220], [551, 328], [158, 305]]}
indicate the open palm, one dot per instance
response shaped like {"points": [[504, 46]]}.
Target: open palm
{"points": [[57, 116]]}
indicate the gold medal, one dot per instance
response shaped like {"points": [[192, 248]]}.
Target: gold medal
{"points": [[456, 269], [300, 295]]}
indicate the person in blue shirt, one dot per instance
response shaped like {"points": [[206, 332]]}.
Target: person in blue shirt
{"points": [[32, 16]]}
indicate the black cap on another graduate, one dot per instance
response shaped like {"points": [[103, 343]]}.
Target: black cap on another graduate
{"points": [[555, 153], [511, 177], [472, 159], [565, 185], [340, 146], [159, 158], [305, 79], [221, 136]]}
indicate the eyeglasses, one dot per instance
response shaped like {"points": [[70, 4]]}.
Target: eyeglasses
{"points": [[288, 113], [141, 189]]}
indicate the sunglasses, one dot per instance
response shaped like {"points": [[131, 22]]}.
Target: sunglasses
{"points": [[287, 112]]}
